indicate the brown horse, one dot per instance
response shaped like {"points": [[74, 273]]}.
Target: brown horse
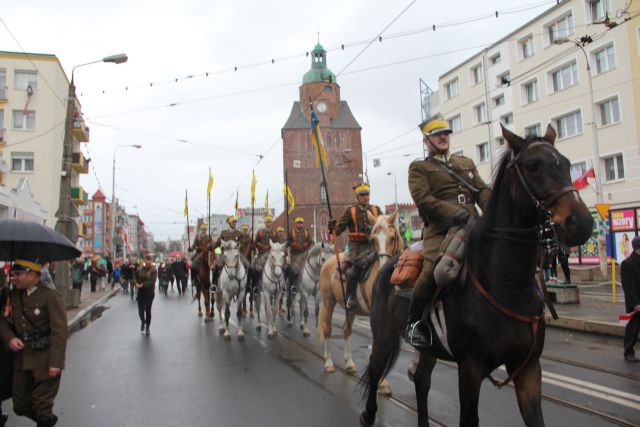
{"points": [[386, 241], [203, 284]]}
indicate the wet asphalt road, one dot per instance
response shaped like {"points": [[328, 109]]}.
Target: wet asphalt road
{"points": [[186, 374]]}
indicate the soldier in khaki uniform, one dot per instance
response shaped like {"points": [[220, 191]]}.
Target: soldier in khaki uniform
{"points": [[201, 244], [361, 251], [443, 201], [34, 326], [299, 243], [262, 247], [246, 243], [227, 235]]}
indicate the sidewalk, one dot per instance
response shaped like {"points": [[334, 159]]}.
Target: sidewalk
{"points": [[88, 301]]}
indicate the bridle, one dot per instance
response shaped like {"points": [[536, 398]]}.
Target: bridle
{"points": [[235, 267], [318, 265], [273, 265]]}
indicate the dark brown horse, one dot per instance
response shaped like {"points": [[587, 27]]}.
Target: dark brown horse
{"points": [[203, 284], [494, 317]]}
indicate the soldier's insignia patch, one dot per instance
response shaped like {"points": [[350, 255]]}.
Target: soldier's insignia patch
{"points": [[36, 311], [470, 174]]}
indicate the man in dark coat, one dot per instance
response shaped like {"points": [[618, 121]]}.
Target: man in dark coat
{"points": [[445, 189], [630, 277], [34, 325], [181, 273]]}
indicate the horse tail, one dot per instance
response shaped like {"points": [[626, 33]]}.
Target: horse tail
{"points": [[386, 339]]}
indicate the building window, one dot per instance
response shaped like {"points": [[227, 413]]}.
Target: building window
{"points": [[482, 152], [494, 59], [451, 88], [613, 167], [458, 153], [480, 113], [24, 79], [605, 59], [526, 46], [564, 77], [1, 120], [24, 119], [455, 123], [530, 91], [328, 139], [22, 162], [338, 139], [577, 170], [498, 100], [535, 130], [323, 193], [507, 119], [477, 74], [560, 29], [609, 111], [599, 9], [569, 124], [3, 83], [504, 79], [500, 141]]}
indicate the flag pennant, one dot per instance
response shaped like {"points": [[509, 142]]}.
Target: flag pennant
{"points": [[209, 184], [316, 140], [582, 182], [186, 204], [254, 181], [266, 203], [235, 205], [290, 200]]}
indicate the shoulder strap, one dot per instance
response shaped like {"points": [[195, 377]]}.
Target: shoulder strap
{"points": [[353, 217], [375, 212], [453, 173]]}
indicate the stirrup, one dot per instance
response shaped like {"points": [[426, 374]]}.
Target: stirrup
{"points": [[418, 334]]}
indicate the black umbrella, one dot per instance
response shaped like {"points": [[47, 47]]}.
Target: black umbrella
{"points": [[33, 242]]}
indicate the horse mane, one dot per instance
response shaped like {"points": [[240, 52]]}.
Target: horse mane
{"points": [[315, 249]]}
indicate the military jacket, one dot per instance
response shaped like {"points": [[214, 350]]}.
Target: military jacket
{"points": [[228, 235], [300, 240], [46, 312], [201, 243], [438, 195], [246, 245], [359, 230], [262, 239]]}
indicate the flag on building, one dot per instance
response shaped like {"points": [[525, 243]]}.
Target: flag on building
{"points": [[582, 182], [290, 201], [316, 140]]}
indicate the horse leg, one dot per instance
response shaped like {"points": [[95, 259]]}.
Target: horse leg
{"points": [[222, 305], [528, 392], [207, 309], [422, 385], [227, 314], [346, 336], [324, 331], [256, 299], [198, 298], [304, 313], [269, 311], [289, 308], [241, 313], [469, 381]]}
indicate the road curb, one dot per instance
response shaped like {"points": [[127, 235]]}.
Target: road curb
{"points": [[83, 312], [582, 325]]}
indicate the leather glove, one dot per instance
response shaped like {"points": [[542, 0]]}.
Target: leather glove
{"points": [[461, 217], [331, 225]]}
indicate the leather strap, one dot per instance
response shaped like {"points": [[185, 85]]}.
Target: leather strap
{"points": [[454, 174]]}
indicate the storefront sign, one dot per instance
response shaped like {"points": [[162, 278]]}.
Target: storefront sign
{"points": [[623, 220]]}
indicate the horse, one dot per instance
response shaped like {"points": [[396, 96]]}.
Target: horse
{"points": [[386, 241], [494, 315], [232, 285], [310, 280], [273, 282], [203, 284]]}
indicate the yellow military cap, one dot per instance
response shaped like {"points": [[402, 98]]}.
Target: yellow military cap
{"points": [[23, 265], [434, 126], [231, 218], [362, 188], [299, 220], [244, 226], [280, 229], [203, 226], [267, 218]]}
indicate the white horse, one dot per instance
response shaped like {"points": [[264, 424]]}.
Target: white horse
{"points": [[273, 282], [310, 280], [232, 286]]}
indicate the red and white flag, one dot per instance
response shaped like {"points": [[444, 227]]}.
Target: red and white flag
{"points": [[624, 318], [581, 182]]}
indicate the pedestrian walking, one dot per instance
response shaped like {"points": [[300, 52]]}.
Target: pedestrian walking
{"points": [[77, 270], [94, 275], [180, 271], [34, 325], [630, 277], [146, 276]]}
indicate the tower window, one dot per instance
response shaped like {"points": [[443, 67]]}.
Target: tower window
{"points": [[328, 88]]}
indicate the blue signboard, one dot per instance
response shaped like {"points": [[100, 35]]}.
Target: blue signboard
{"points": [[97, 229]]}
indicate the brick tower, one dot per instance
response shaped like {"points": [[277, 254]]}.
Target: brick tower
{"points": [[341, 134]]}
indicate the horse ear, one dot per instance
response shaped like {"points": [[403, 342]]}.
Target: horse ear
{"points": [[550, 134], [392, 218], [515, 142], [270, 242], [371, 218]]}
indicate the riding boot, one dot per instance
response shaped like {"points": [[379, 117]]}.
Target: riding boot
{"points": [[293, 282], [417, 332], [351, 300]]}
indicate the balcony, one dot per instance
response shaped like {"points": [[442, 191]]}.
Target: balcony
{"points": [[3, 94], [79, 196], [82, 230], [80, 130], [2, 140], [80, 164]]}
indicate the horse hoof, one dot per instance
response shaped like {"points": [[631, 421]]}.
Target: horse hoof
{"points": [[306, 334], [208, 319], [329, 369], [240, 337], [199, 314], [351, 369], [366, 421], [258, 328], [384, 390], [221, 331], [227, 337]]}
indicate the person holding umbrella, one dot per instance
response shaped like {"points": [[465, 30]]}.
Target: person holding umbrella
{"points": [[34, 326]]}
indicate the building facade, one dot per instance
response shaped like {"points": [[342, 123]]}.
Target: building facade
{"points": [[341, 134], [569, 67]]}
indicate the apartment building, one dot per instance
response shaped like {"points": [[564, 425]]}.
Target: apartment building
{"points": [[33, 97], [538, 75]]}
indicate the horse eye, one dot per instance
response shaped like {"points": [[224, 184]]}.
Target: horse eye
{"points": [[532, 167]]}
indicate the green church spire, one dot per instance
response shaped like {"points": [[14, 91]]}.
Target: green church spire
{"points": [[319, 71]]}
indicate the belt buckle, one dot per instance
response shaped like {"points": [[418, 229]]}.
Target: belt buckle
{"points": [[462, 199]]}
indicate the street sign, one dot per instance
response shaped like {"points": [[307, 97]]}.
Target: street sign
{"points": [[603, 210]]}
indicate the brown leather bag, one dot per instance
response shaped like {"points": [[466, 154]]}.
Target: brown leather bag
{"points": [[407, 269]]}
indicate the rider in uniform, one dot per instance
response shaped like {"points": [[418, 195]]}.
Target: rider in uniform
{"points": [[246, 244], [299, 243], [262, 247], [201, 245], [361, 251], [444, 200], [232, 233]]}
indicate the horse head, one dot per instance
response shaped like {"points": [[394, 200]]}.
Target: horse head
{"points": [[277, 258], [385, 236], [541, 187], [230, 252]]}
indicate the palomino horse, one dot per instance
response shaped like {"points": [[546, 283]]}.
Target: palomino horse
{"points": [[495, 316], [273, 282], [232, 285], [309, 282], [203, 284], [386, 241]]}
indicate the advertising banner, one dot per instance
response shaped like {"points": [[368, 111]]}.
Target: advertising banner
{"points": [[623, 220], [622, 242], [97, 229]]}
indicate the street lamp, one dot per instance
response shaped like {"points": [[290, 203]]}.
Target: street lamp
{"points": [[64, 202], [395, 186], [114, 208]]}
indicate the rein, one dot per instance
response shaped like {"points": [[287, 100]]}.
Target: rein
{"points": [[272, 267], [533, 320]]}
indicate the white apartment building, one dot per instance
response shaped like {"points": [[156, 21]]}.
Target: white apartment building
{"points": [[33, 99], [537, 75]]}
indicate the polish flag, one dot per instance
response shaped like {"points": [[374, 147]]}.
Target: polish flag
{"points": [[581, 182], [624, 318]]}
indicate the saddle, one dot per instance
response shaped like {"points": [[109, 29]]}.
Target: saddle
{"points": [[345, 266]]}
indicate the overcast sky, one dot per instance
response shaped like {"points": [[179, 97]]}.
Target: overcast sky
{"points": [[228, 119]]}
